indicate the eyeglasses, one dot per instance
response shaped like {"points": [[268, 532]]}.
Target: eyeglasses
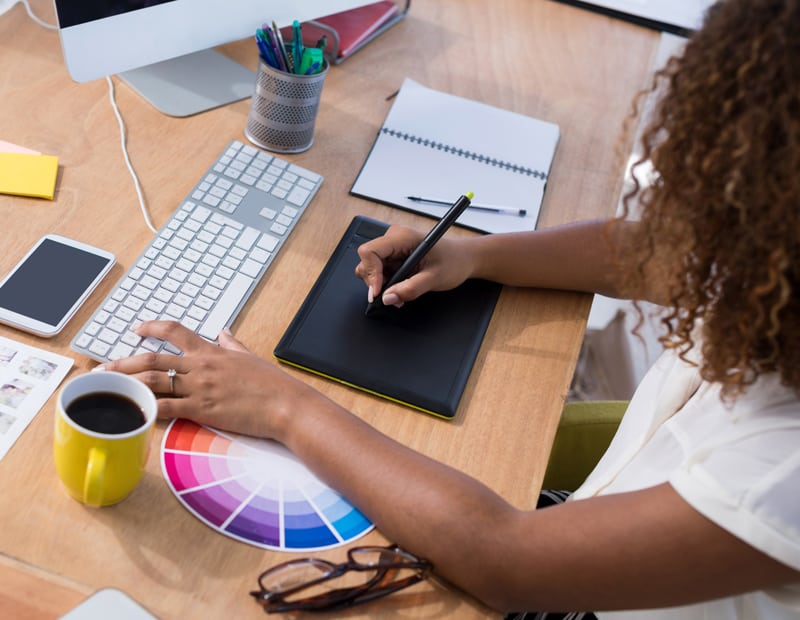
{"points": [[311, 584]]}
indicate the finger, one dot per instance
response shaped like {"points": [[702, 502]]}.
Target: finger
{"points": [[170, 383], [378, 250], [169, 408], [174, 333], [167, 382], [142, 363], [228, 341], [370, 270], [409, 289], [378, 255], [159, 372], [190, 408]]}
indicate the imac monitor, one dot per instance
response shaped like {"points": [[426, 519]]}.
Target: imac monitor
{"points": [[162, 47]]}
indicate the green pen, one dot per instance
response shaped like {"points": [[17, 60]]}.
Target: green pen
{"points": [[297, 45]]}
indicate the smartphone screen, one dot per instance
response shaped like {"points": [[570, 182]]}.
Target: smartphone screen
{"points": [[48, 285]]}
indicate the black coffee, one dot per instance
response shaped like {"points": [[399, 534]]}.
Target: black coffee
{"points": [[103, 412]]}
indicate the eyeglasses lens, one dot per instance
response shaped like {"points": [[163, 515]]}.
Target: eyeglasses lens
{"points": [[391, 566], [290, 576], [377, 556]]}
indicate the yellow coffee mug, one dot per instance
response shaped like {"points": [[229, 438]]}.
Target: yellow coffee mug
{"points": [[100, 445]]}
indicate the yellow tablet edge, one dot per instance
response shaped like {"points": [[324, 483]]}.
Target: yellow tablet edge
{"points": [[363, 389]]}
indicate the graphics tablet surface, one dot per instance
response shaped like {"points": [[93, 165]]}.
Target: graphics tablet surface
{"points": [[420, 355]]}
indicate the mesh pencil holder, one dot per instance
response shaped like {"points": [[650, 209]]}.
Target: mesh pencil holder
{"points": [[283, 109]]}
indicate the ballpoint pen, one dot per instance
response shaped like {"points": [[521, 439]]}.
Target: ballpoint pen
{"points": [[265, 49], [488, 208], [413, 260], [274, 46]]}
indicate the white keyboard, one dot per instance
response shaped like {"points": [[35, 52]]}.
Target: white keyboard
{"points": [[204, 263]]}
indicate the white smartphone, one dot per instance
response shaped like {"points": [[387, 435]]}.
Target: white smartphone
{"points": [[50, 283]]}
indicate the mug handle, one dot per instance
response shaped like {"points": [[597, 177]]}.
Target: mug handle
{"points": [[93, 482]]}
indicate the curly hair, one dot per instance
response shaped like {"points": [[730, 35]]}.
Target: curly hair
{"points": [[720, 223]]}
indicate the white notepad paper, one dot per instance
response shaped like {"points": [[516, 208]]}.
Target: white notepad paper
{"points": [[436, 145]]}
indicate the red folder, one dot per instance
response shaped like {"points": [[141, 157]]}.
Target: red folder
{"points": [[350, 29]]}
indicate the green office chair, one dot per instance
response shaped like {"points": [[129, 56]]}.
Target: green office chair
{"points": [[584, 432]]}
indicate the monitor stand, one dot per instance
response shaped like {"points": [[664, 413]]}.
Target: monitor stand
{"points": [[193, 83]]}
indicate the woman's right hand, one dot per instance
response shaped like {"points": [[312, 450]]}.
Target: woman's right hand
{"points": [[446, 266]]}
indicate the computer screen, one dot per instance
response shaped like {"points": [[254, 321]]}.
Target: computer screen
{"points": [[163, 47]]}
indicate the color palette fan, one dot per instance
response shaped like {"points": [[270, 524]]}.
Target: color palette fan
{"points": [[255, 490]]}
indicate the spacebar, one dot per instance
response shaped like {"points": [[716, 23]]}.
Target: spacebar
{"points": [[225, 307]]}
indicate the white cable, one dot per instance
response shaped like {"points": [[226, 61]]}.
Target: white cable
{"points": [[125, 155], [119, 120], [36, 19]]}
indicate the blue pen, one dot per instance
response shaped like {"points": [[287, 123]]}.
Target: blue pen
{"points": [[265, 52], [275, 50], [313, 69]]}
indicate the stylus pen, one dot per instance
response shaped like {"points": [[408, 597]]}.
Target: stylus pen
{"points": [[413, 260], [489, 208]]}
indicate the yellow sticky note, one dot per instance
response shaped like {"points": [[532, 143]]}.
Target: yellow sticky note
{"points": [[23, 174]]}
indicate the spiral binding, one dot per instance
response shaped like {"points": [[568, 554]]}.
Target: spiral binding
{"points": [[491, 161]]}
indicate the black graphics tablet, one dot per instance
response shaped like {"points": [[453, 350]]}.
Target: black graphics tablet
{"points": [[419, 355]]}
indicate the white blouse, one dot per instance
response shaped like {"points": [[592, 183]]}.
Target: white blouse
{"points": [[739, 465]]}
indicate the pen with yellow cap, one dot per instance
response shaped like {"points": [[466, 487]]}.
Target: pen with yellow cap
{"points": [[413, 260]]}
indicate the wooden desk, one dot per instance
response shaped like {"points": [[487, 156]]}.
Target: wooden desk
{"points": [[541, 58]]}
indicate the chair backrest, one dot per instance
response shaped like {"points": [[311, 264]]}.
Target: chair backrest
{"points": [[584, 433]]}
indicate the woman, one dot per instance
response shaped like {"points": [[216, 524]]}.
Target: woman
{"points": [[695, 506]]}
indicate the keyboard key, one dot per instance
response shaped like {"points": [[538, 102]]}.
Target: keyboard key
{"points": [[225, 306], [120, 350], [250, 268], [247, 239]]}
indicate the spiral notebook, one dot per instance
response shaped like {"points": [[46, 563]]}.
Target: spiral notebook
{"points": [[435, 145], [420, 355]]}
